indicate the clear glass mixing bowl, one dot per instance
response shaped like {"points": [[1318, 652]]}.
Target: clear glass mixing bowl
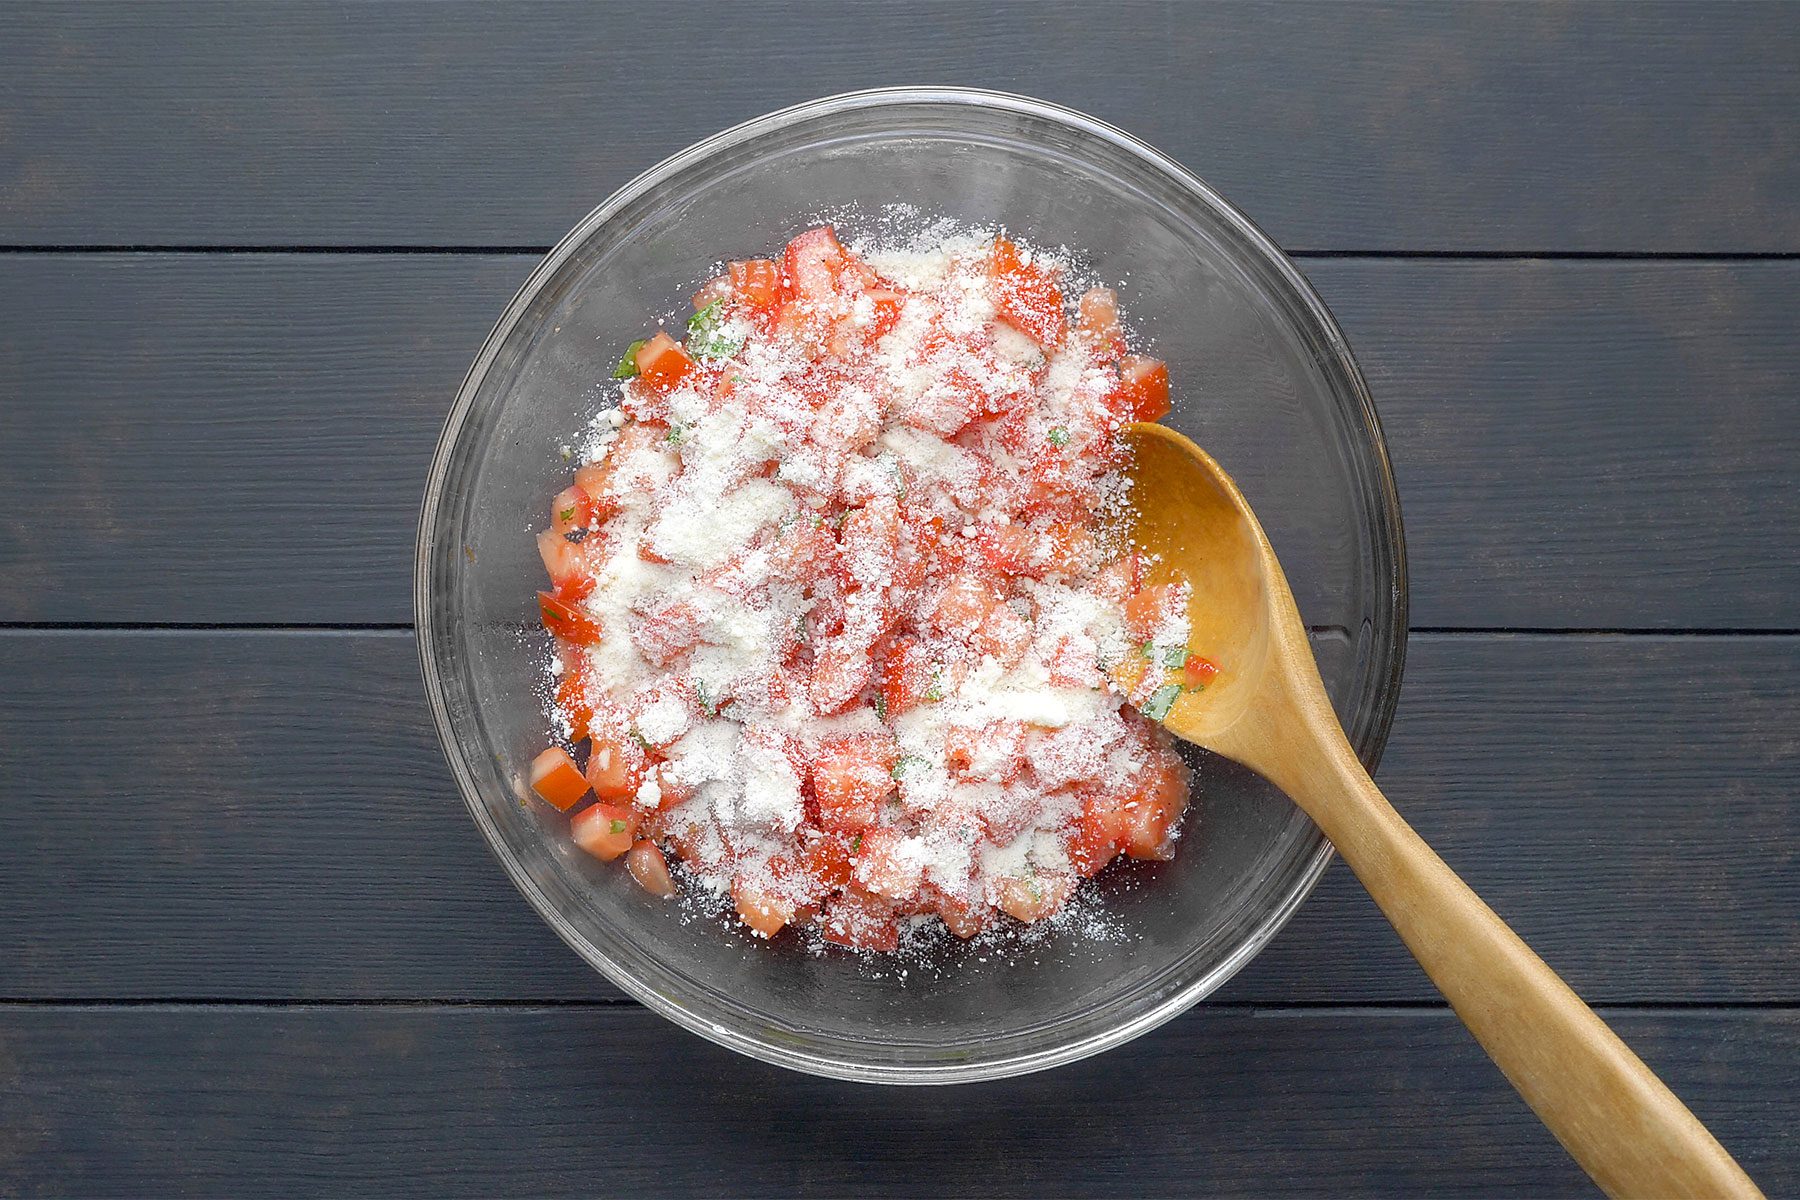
{"points": [[1263, 379]]}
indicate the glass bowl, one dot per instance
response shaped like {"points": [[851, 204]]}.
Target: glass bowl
{"points": [[1263, 379]]}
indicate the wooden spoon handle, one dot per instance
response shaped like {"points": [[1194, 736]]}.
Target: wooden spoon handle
{"points": [[1617, 1119]]}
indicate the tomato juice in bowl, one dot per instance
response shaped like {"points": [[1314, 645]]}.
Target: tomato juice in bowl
{"points": [[1260, 375]]}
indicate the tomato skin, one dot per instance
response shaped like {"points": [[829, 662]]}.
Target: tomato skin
{"points": [[565, 621], [650, 869], [605, 831], [556, 778], [827, 858], [1198, 671], [1027, 296], [852, 777], [1142, 393], [662, 364]]}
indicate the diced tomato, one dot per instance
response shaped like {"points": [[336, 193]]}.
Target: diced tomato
{"points": [[566, 621], [1146, 608], [1006, 549], [760, 908], [964, 918], [1034, 897], [1155, 806], [810, 265], [572, 690], [571, 509], [994, 751], [673, 789], [826, 857], [1097, 316], [757, 282], [1003, 634], [1097, 832], [670, 629], [556, 778], [851, 777], [562, 558], [860, 922], [884, 868], [650, 869], [1198, 672], [867, 545], [662, 364], [886, 304], [616, 762], [713, 290], [963, 604], [840, 672], [604, 830], [907, 676], [1142, 393], [1026, 295]]}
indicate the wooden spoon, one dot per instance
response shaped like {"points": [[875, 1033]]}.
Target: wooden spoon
{"points": [[1267, 709]]}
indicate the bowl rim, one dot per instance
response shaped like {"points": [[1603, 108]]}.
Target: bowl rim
{"points": [[1390, 541]]}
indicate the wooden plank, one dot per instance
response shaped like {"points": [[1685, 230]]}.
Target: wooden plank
{"points": [[1662, 127], [243, 438], [539, 1102], [257, 815]]}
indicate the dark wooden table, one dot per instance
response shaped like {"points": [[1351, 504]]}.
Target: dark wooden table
{"points": [[249, 941]]}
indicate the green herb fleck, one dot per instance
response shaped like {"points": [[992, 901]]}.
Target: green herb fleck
{"points": [[905, 761], [936, 690], [627, 368], [677, 434], [1158, 706], [1059, 437], [856, 844], [642, 741], [700, 694], [616, 825], [837, 522], [1148, 650], [881, 707], [1176, 658], [706, 338], [567, 514]]}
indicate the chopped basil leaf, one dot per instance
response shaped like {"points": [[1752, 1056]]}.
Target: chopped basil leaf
{"points": [[856, 844], [705, 336], [1176, 659], [701, 696], [881, 707], [627, 368], [567, 514], [639, 738], [936, 690], [1148, 649], [805, 630], [616, 825], [905, 761], [1059, 437], [677, 434], [1158, 706]]}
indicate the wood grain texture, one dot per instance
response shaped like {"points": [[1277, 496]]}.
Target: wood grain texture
{"points": [[1660, 127], [523, 1101], [257, 815], [1578, 444]]}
